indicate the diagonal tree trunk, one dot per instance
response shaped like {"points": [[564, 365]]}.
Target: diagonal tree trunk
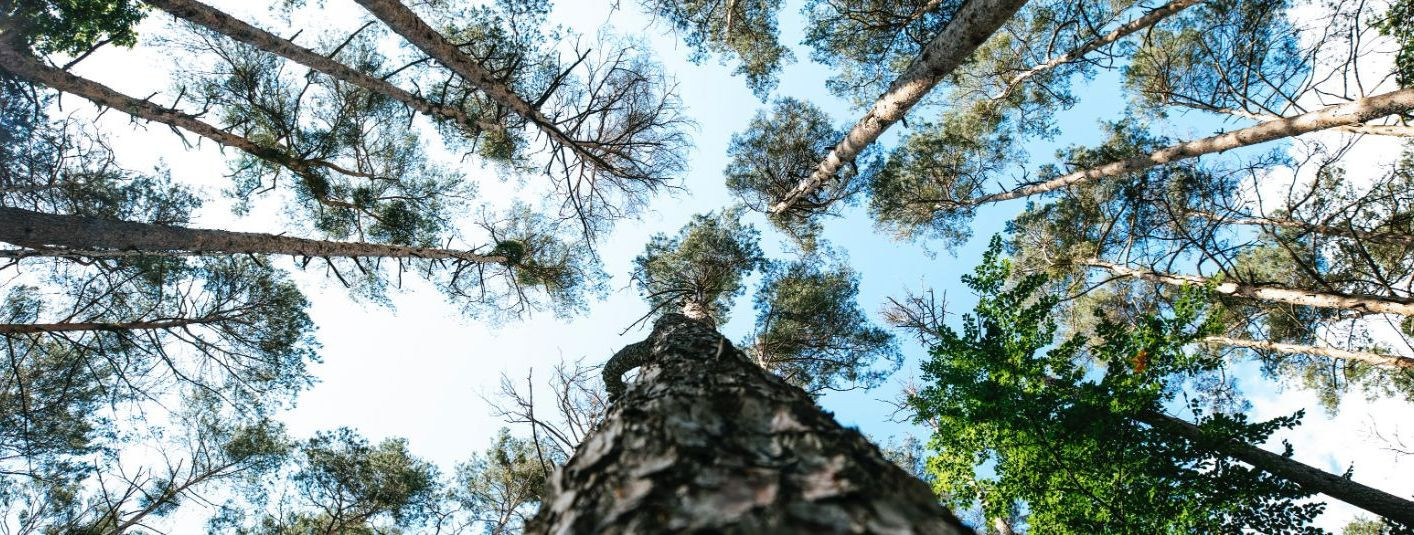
{"points": [[1342, 115], [974, 23], [1368, 357], [1149, 19], [1371, 236], [223, 23], [1370, 499], [412, 28], [79, 326], [64, 235], [1275, 294], [27, 66], [705, 441], [1372, 129]]}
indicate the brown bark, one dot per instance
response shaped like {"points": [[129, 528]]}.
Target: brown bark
{"points": [[223, 23], [1368, 357], [78, 326], [1149, 19], [976, 21], [412, 28], [705, 441], [1342, 115], [1262, 292], [63, 233], [1371, 236], [1372, 129], [1370, 499]]}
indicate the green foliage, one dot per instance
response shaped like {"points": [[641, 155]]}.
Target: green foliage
{"points": [[811, 331], [703, 265], [776, 152], [502, 488], [70, 26], [1058, 427], [1398, 22], [870, 41], [745, 29]]}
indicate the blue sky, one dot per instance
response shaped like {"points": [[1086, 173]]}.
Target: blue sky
{"points": [[420, 371]]}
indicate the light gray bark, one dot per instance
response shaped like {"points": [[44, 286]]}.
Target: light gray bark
{"points": [[1370, 499], [1368, 357], [1342, 115], [976, 21], [1275, 294], [704, 441], [61, 234], [220, 22]]}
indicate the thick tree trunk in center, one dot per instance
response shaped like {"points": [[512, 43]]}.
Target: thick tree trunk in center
{"points": [[704, 440]]}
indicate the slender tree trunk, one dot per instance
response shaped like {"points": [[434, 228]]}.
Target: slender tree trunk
{"points": [[45, 232], [1345, 114], [1370, 499], [1276, 294], [976, 21], [1372, 236], [1372, 129], [78, 326], [221, 22], [706, 442], [1377, 359], [1149, 19], [412, 28]]}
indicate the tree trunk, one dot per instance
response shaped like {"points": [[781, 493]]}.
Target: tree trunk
{"points": [[1372, 129], [412, 28], [63, 234], [79, 326], [705, 441], [1372, 236], [1276, 294], [220, 22], [1377, 359], [1342, 115], [974, 23], [1373, 500], [1149, 19]]}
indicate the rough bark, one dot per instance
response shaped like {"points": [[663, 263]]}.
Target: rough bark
{"points": [[1368, 357], [1373, 500], [78, 326], [976, 21], [1351, 113], [1372, 129], [63, 233], [1276, 294], [412, 28], [1149, 19], [223, 23], [1370, 236], [705, 441]]}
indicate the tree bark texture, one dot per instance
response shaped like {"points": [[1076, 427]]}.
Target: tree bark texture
{"points": [[1276, 294], [704, 441], [973, 24], [61, 233], [1377, 359], [81, 326], [1351, 113], [1370, 499], [223, 23]]}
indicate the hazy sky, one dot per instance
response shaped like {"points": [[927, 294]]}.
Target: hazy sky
{"points": [[419, 370]]}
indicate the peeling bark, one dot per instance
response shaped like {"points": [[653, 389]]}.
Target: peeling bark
{"points": [[974, 23], [62, 235], [1361, 303], [1377, 359], [705, 441]]}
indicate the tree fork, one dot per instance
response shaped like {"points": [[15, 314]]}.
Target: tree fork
{"points": [[704, 440], [974, 23], [1370, 499], [61, 233]]}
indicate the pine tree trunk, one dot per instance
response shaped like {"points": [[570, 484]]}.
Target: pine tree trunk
{"points": [[1373, 500], [81, 326], [1275, 294], [1351, 113], [973, 24], [1371, 236], [67, 234], [1377, 359], [220, 22], [705, 441]]}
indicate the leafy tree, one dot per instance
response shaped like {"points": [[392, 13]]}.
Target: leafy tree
{"points": [[740, 30], [503, 487], [1395, 23], [701, 269], [70, 26]]}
